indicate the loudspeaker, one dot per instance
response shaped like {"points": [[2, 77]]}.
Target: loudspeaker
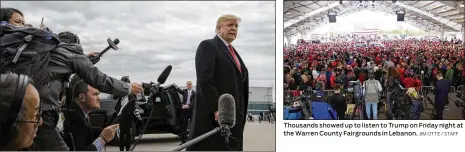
{"points": [[400, 17], [332, 18]]}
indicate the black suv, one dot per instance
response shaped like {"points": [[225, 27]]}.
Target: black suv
{"points": [[165, 117]]}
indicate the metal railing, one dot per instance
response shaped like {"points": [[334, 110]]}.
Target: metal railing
{"points": [[426, 89], [460, 88], [423, 90], [452, 89]]}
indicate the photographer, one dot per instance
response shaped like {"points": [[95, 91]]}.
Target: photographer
{"points": [[19, 117], [78, 129]]}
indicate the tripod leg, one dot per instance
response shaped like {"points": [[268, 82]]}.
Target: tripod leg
{"points": [[353, 113]]}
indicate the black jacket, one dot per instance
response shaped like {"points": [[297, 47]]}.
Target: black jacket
{"points": [[81, 130], [217, 74], [184, 97], [68, 59], [338, 102]]}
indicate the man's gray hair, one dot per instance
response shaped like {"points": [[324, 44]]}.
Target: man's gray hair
{"points": [[223, 18]]}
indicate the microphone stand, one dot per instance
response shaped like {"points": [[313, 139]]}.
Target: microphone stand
{"points": [[224, 129]]}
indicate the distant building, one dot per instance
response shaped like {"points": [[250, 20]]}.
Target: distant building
{"points": [[260, 99]]}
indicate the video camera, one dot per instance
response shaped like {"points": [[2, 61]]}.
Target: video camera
{"points": [[151, 89], [355, 87], [354, 83]]}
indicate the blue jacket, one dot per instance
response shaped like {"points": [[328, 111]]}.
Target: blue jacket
{"points": [[441, 91]]}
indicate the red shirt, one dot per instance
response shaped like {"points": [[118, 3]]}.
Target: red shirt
{"points": [[362, 77], [418, 81], [332, 80], [409, 82]]}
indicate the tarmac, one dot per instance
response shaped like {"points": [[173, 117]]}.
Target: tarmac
{"points": [[257, 137]]}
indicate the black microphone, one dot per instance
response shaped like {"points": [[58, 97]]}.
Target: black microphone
{"points": [[164, 75], [226, 119], [111, 44]]}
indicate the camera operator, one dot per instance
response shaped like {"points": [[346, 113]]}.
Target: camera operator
{"points": [[65, 60], [188, 100], [372, 89], [85, 99], [19, 117], [441, 92]]}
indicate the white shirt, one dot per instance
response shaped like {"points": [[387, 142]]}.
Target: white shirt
{"points": [[189, 91], [124, 101], [224, 41], [227, 46]]}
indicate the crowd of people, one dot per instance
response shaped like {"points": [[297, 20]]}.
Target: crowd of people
{"points": [[412, 62]]}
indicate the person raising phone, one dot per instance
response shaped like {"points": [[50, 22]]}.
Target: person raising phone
{"points": [[78, 130]]}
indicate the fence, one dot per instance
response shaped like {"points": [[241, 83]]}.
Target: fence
{"points": [[460, 88]]}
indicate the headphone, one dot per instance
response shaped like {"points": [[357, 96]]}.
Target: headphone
{"points": [[12, 108]]}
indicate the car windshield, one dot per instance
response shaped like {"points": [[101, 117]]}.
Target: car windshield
{"points": [[105, 96]]}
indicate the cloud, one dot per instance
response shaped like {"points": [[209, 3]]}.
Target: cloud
{"points": [[156, 34]]}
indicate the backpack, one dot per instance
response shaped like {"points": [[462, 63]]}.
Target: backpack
{"points": [[27, 51], [321, 109], [358, 92], [371, 90]]}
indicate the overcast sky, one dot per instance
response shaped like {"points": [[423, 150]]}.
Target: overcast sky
{"points": [[156, 34]]}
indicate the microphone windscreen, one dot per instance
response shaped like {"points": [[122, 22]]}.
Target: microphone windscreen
{"points": [[164, 75], [227, 110], [116, 41]]}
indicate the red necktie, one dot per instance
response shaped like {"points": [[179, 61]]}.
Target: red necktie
{"points": [[234, 57]]}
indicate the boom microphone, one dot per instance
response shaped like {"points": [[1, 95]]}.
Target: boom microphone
{"points": [[226, 119], [111, 44], [227, 110], [226, 115], [164, 75]]}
